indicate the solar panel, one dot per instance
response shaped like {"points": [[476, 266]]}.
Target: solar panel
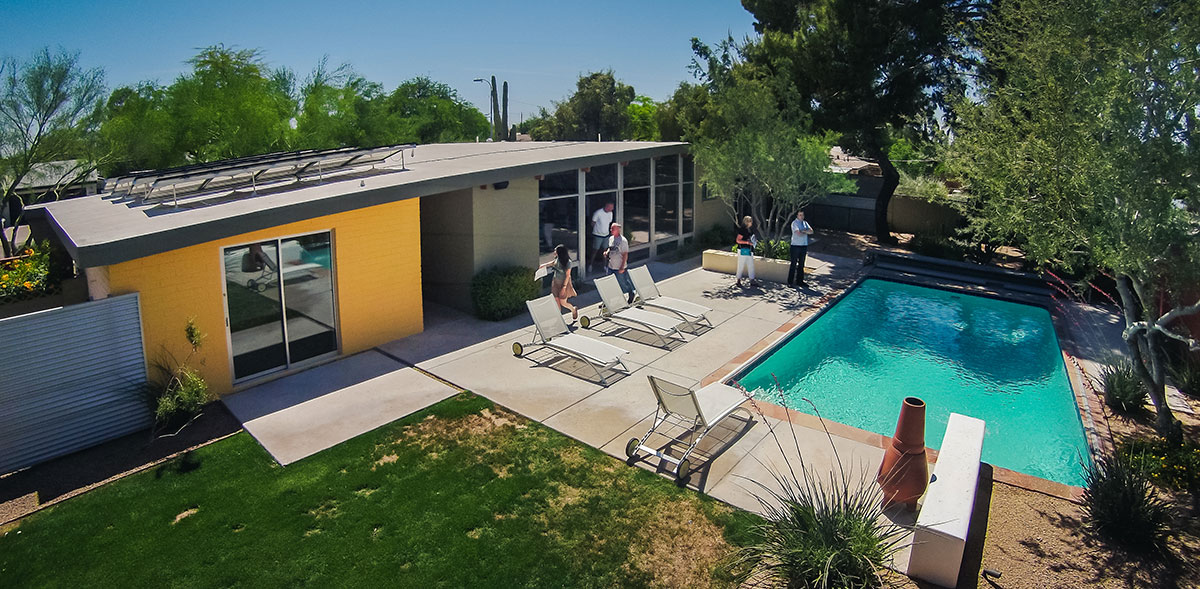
{"points": [[248, 172]]}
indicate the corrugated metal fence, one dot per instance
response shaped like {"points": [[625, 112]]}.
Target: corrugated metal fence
{"points": [[70, 378]]}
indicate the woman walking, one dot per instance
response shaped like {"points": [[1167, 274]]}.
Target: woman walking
{"points": [[560, 285], [746, 240]]}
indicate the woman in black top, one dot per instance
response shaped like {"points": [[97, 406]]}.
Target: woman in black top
{"points": [[746, 239]]}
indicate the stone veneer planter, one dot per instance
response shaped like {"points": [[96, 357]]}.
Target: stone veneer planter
{"points": [[764, 268]]}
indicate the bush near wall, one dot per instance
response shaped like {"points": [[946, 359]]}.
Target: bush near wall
{"points": [[500, 293], [26, 276]]}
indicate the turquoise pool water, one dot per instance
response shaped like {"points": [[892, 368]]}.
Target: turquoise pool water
{"points": [[991, 359]]}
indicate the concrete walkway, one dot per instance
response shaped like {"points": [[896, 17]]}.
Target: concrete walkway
{"points": [[302, 414]]}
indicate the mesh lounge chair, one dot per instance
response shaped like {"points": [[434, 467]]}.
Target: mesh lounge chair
{"points": [[614, 308], [551, 331], [698, 410], [647, 291]]}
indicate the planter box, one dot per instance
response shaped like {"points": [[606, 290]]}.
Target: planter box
{"points": [[764, 268], [73, 292]]}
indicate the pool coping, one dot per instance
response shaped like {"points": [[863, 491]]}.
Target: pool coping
{"points": [[1091, 414]]}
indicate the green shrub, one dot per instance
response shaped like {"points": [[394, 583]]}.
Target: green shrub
{"points": [[183, 399], [777, 249], [1123, 389], [1168, 465], [500, 293], [716, 237], [1121, 505]]}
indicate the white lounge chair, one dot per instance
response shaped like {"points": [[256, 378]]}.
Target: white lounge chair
{"points": [[698, 410], [614, 307], [647, 291], [550, 330]]}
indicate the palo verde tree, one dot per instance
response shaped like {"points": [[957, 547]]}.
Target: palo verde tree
{"points": [[48, 111], [862, 67], [751, 155], [1084, 147]]}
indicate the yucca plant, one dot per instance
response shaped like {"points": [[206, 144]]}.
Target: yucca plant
{"points": [[818, 531], [1186, 375], [1123, 389], [1121, 505]]}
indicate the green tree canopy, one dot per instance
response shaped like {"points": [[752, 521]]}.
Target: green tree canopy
{"points": [[599, 109], [861, 67], [1084, 148], [48, 112]]}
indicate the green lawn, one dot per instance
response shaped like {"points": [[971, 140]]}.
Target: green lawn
{"points": [[462, 494]]}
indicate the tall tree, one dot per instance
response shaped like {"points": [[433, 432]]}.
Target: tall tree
{"points": [[49, 108], [752, 156], [599, 109], [1085, 148], [863, 66], [643, 119], [230, 105], [138, 130], [335, 108], [421, 110]]}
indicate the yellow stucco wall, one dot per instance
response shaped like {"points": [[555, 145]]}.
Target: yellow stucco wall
{"points": [[378, 286]]}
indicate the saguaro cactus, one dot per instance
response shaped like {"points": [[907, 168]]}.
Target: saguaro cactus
{"points": [[502, 130], [495, 112]]}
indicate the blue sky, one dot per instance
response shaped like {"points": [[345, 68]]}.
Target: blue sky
{"points": [[540, 47]]}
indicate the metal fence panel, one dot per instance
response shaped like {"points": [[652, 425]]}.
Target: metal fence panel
{"points": [[70, 378]]}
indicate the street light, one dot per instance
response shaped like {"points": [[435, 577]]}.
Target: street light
{"points": [[492, 116]]}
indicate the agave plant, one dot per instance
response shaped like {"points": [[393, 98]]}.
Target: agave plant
{"points": [[818, 531]]}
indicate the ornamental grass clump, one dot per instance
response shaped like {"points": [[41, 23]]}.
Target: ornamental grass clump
{"points": [[1123, 389], [1121, 505], [818, 531]]}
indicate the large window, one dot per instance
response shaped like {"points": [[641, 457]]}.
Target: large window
{"points": [[279, 302]]}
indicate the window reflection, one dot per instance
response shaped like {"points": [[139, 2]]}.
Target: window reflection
{"points": [[252, 300], [666, 211], [559, 222], [306, 269], [637, 216]]}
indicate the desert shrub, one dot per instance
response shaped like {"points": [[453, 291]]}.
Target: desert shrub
{"points": [[1123, 389], [1186, 375], [819, 534], [179, 393], [184, 397], [1168, 465], [500, 293], [1121, 505]]}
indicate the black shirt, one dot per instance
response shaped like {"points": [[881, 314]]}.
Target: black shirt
{"points": [[745, 233]]}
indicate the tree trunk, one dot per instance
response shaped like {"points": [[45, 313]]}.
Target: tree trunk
{"points": [[1149, 364], [891, 179]]}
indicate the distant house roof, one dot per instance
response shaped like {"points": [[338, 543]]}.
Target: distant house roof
{"points": [[845, 163], [47, 175], [110, 228]]}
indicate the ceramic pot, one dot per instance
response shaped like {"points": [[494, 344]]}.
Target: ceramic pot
{"points": [[904, 473]]}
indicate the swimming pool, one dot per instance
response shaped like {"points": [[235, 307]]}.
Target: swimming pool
{"points": [[995, 360]]}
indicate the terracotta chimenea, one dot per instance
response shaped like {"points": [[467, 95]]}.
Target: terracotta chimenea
{"points": [[904, 473]]}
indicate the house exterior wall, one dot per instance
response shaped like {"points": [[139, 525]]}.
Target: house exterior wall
{"points": [[448, 247], [378, 286], [506, 225]]}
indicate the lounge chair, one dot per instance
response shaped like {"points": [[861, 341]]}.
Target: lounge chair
{"points": [[647, 291], [698, 410], [615, 308], [550, 331]]}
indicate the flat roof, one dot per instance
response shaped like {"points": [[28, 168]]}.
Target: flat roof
{"points": [[110, 228]]}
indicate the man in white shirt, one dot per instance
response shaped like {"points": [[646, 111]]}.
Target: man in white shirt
{"points": [[799, 250], [618, 260], [601, 221]]}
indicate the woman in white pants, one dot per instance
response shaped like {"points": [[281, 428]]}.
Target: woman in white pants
{"points": [[745, 243]]}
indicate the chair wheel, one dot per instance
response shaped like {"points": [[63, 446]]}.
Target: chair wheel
{"points": [[685, 469], [585, 322], [631, 447], [517, 349]]}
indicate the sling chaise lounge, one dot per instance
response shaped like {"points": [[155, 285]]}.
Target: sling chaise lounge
{"points": [[698, 410], [643, 283], [614, 308], [550, 331]]}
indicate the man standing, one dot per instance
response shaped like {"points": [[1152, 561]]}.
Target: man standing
{"points": [[799, 250], [601, 221], [618, 259]]}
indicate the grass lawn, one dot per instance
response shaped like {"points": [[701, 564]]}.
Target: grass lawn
{"points": [[462, 494]]}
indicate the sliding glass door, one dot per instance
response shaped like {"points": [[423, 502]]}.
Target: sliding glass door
{"points": [[279, 303]]}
